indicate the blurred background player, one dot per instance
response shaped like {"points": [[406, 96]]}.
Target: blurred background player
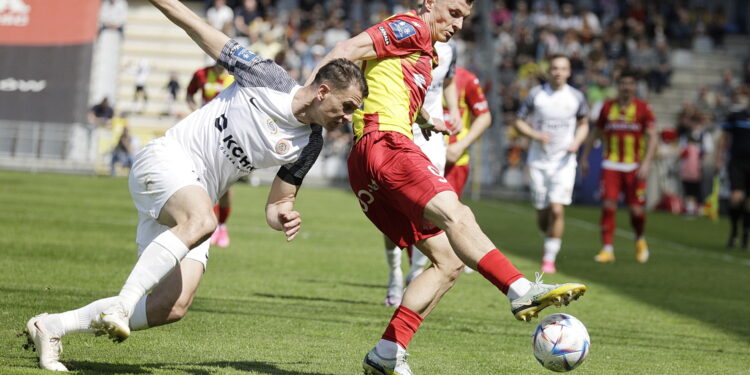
{"points": [[434, 147], [211, 81], [559, 126], [735, 144], [627, 128], [476, 118]]}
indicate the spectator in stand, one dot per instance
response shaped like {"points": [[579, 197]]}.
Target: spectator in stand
{"points": [[244, 17], [568, 20], [101, 114], [681, 29], [122, 153], [141, 72], [221, 16], [172, 87]]}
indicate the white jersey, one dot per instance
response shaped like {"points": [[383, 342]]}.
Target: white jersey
{"points": [[433, 104], [555, 112], [249, 125]]}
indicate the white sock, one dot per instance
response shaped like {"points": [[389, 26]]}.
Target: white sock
{"points": [[551, 248], [609, 248], [139, 319], [519, 288], [75, 321], [395, 275], [156, 262], [418, 260], [389, 349]]}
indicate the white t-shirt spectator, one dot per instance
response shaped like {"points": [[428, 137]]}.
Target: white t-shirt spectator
{"points": [[220, 17]]}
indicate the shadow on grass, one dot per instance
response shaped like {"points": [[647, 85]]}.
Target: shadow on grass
{"points": [[202, 368], [345, 283], [686, 273]]}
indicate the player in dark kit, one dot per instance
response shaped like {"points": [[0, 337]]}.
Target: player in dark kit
{"points": [[736, 138]]}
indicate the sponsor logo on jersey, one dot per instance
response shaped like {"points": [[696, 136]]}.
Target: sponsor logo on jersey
{"points": [[233, 151], [272, 126], [241, 54], [622, 126], [402, 29], [386, 39], [282, 147], [419, 80], [14, 13]]}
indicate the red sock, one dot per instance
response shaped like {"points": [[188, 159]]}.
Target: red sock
{"points": [[496, 268], [403, 326], [223, 214], [607, 225], [639, 223]]}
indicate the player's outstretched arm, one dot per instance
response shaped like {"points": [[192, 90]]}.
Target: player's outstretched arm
{"points": [[280, 214], [208, 38], [357, 48]]}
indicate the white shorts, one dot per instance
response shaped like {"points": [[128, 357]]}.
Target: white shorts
{"points": [[160, 169], [553, 184], [435, 148]]}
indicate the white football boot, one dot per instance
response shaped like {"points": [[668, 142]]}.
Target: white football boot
{"points": [[374, 364], [48, 347], [114, 322]]}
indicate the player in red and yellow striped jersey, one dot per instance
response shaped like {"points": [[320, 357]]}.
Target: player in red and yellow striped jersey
{"points": [[404, 195], [211, 81], [475, 117], [627, 128]]}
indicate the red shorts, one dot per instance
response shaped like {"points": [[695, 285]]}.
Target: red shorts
{"points": [[615, 182], [394, 180], [457, 176]]}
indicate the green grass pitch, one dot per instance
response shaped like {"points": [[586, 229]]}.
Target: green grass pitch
{"points": [[314, 306]]}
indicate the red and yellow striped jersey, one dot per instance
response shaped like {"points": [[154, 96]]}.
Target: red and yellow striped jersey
{"points": [[623, 130], [471, 102], [398, 78]]}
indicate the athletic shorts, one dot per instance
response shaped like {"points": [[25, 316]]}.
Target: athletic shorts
{"points": [[615, 182], [394, 181], [552, 184], [160, 169], [457, 176], [434, 148], [739, 176]]}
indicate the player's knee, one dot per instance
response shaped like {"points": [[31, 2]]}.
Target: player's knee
{"points": [[203, 226], [459, 216], [556, 211], [609, 204]]}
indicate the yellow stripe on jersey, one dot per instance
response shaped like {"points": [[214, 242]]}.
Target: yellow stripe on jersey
{"points": [[389, 97], [629, 152], [614, 149]]}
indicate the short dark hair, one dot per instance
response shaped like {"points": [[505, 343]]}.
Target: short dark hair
{"points": [[340, 74], [628, 73], [558, 56]]}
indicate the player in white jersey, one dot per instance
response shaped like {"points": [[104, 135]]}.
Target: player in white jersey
{"points": [[555, 116], [435, 149], [262, 120]]}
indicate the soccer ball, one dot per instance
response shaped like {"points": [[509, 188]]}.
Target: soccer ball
{"points": [[560, 342]]}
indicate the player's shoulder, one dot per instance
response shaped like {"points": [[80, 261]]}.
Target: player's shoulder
{"points": [[578, 94], [405, 25], [535, 91]]}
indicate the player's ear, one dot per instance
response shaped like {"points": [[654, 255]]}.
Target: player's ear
{"points": [[323, 91], [427, 4]]}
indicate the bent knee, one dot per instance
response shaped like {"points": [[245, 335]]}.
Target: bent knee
{"points": [[461, 215]]}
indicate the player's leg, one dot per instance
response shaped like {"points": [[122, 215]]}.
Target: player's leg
{"points": [[170, 300], [635, 196], [736, 197], [476, 250], [420, 298], [745, 245], [561, 185], [222, 209], [418, 262], [395, 275], [610, 191]]}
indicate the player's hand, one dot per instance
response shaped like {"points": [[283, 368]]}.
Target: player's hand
{"points": [[453, 152], [543, 138], [573, 149], [584, 165], [435, 125], [290, 221], [642, 172], [457, 124]]}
